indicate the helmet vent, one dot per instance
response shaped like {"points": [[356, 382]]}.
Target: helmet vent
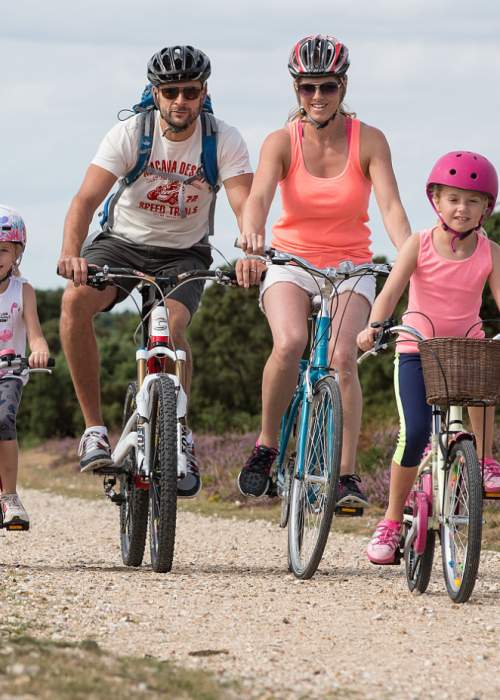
{"points": [[453, 171], [473, 175]]}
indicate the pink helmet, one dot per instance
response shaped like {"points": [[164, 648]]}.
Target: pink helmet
{"points": [[467, 171], [12, 228]]}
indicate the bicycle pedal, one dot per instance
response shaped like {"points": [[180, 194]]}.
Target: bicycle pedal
{"points": [[110, 470], [272, 491], [16, 526], [349, 511]]}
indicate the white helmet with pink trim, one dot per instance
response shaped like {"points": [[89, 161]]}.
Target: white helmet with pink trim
{"points": [[12, 228]]}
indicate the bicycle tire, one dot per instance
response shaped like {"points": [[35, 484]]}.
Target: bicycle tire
{"points": [[418, 567], [323, 451], [163, 487], [134, 503], [463, 506], [287, 467]]}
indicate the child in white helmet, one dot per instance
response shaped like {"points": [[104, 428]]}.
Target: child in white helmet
{"points": [[18, 320]]}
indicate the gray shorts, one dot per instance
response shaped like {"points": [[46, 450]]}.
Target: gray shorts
{"points": [[117, 252], [10, 398]]}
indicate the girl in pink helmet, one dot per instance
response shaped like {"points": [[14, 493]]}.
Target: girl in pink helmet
{"points": [[325, 162], [18, 319], [447, 266]]}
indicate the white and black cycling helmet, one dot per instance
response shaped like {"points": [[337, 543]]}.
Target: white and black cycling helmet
{"points": [[175, 64], [318, 56]]}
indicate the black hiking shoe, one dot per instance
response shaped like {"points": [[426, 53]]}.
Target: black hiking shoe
{"points": [[254, 479], [349, 493]]}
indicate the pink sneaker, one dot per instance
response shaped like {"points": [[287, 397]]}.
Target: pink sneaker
{"points": [[384, 543], [491, 475]]}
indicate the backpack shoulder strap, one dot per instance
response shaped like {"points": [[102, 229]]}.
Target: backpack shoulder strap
{"points": [[209, 132], [145, 144], [147, 128], [209, 162]]}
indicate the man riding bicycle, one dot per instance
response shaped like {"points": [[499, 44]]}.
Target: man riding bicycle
{"points": [[159, 222]]}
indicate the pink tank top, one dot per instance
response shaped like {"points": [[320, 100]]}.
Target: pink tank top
{"points": [[324, 219], [448, 291]]}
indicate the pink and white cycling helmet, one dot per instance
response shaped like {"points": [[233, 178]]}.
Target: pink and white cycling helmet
{"points": [[467, 171], [12, 228]]}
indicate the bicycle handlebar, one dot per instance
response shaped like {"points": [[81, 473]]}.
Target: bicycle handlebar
{"points": [[100, 277], [388, 328], [19, 364], [345, 270]]}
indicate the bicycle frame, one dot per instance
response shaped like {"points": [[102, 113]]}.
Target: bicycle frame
{"points": [[152, 361], [316, 367], [310, 371], [436, 460], [136, 433]]}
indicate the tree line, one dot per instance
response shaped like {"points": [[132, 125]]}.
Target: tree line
{"points": [[230, 340]]}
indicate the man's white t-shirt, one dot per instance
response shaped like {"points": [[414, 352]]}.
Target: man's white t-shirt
{"points": [[147, 211]]}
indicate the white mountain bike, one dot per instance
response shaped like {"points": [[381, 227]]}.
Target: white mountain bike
{"points": [[150, 455]]}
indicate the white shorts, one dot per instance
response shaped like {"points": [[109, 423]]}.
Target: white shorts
{"points": [[312, 284]]}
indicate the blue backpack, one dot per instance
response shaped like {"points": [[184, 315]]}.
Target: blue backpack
{"points": [[209, 170]]}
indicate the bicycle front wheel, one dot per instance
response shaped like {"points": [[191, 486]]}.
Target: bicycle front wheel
{"points": [[461, 528], [134, 501], [163, 487], [314, 490]]}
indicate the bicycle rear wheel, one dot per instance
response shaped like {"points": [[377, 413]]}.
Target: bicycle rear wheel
{"points": [[134, 501], [313, 496], [163, 487], [461, 528]]}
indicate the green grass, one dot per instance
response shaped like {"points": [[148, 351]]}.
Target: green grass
{"points": [[47, 669]]}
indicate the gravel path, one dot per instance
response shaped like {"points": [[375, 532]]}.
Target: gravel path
{"points": [[230, 606]]}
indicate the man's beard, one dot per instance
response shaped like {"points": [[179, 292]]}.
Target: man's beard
{"points": [[179, 128]]}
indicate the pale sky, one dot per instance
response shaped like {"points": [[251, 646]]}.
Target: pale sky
{"points": [[426, 73]]}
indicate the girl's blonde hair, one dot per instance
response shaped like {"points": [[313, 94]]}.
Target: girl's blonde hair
{"points": [[436, 190]]}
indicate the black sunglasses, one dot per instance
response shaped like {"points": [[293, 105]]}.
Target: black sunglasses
{"points": [[309, 89], [191, 92]]}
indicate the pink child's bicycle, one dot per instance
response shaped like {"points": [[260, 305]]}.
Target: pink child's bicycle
{"points": [[447, 498]]}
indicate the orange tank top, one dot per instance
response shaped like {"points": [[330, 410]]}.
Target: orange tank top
{"points": [[324, 219]]}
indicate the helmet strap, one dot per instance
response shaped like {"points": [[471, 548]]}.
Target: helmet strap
{"points": [[316, 124], [455, 235]]}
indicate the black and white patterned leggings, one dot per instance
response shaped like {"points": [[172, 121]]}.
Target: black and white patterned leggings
{"points": [[10, 398]]}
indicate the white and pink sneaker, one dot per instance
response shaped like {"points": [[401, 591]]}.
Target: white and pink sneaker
{"points": [[385, 542], [491, 475]]}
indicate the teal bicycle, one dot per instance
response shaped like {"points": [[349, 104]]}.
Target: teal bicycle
{"points": [[310, 444]]}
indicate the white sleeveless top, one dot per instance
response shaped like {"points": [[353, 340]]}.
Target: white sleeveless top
{"points": [[12, 326]]}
